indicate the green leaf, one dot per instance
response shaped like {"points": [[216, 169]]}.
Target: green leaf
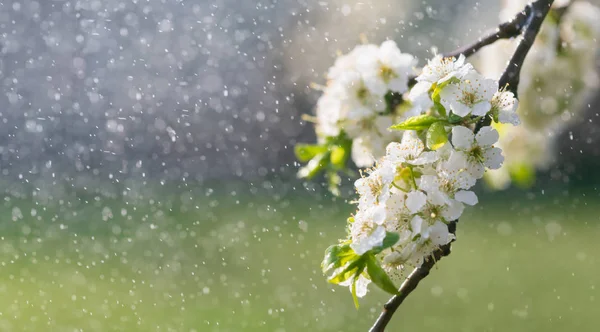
{"points": [[305, 152], [418, 122], [340, 154], [391, 238], [436, 136], [353, 269], [333, 182], [453, 118], [354, 296], [379, 277], [314, 166], [337, 256]]}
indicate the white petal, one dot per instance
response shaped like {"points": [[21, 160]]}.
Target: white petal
{"points": [[467, 197], [361, 286], [493, 158], [481, 108], [429, 183], [411, 144], [453, 210], [439, 234], [459, 108], [379, 214], [421, 88], [509, 117], [416, 224], [376, 239], [415, 200], [437, 197], [475, 170], [428, 157], [487, 136], [362, 155], [462, 137]]}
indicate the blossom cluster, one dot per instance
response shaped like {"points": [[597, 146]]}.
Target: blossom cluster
{"points": [[354, 100], [558, 75], [422, 183]]}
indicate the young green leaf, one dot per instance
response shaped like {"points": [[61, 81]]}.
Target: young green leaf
{"points": [[305, 152], [353, 269], [339, 155], [354, 296], [418, 122], [337, 256], [314, 166], [436, 136], [391, 238], [379, 277], [333, 182]]}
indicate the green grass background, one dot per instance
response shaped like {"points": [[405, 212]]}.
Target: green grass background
{"points": [[243, 262]]}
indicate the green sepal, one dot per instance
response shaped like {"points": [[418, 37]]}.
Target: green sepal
{"points": [[436, 136], [418, 122]]}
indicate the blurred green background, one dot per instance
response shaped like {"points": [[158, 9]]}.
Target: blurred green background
{"points": [[244, 258]]}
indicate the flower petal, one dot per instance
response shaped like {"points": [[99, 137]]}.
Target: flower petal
{"points": [[453, 210], [415, 200], [462, 137], [487, 136], [481, 108], [493, 158], [416, 224], [467, 197]]}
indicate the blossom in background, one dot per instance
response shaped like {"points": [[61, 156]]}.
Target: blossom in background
{"points": [[354, 100], [555, 81]]}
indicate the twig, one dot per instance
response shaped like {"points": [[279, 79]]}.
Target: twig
{"points": [[506, 30], [512, 74], [531, 19], [411, 283]]}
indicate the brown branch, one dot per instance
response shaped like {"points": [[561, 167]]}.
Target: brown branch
{"points": [[506, 30], [411, 283], [512, 74], [530, 19]]}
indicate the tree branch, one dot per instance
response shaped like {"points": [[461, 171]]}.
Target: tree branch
{"points": [[530, 19], [506, 30], [411, 283], [512, 74]]}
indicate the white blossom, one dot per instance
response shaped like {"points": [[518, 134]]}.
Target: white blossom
{"points": [[439, 69], [410, 150], [366, 237], [471, 95], [477, 150], [386, 70], [504, 104]]}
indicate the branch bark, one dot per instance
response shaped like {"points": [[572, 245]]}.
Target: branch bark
{"points": [[530, 19]]}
